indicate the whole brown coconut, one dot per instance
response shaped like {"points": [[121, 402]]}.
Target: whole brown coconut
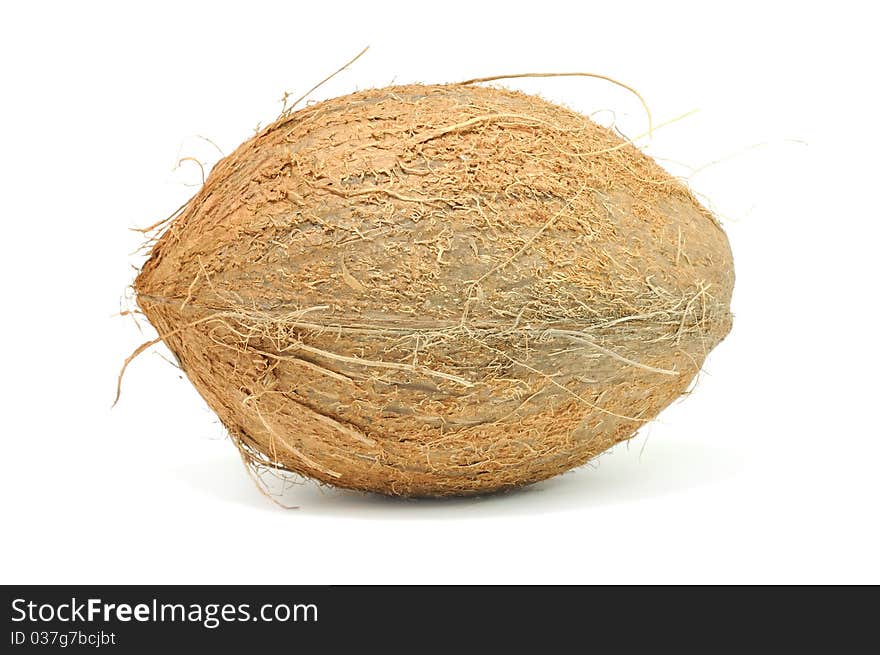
{"points": [[436, 290]]}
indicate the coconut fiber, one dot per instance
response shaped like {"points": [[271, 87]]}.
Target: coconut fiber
{"points": [[437, 290]]}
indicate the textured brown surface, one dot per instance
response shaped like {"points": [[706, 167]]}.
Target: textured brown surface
{"points": [[430, 290]]}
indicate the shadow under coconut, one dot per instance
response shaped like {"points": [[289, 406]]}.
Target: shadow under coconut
{"points": [[624, 474]]}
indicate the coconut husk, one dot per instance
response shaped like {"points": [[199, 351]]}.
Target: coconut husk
{"points": [[437, 289]]}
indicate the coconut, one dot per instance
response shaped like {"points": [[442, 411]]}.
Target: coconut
{"points": [[437, 290]]}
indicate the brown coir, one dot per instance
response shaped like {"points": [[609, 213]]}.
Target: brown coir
{"points": [[435, 290]]}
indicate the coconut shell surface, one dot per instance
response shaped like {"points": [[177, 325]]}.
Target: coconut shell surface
{"points": [[437, 290]]}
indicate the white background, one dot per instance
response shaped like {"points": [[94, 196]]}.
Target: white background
{"points": [[767, 473]]}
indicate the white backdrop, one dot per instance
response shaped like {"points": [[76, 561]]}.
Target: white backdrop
{"points": [[766, 473]]}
